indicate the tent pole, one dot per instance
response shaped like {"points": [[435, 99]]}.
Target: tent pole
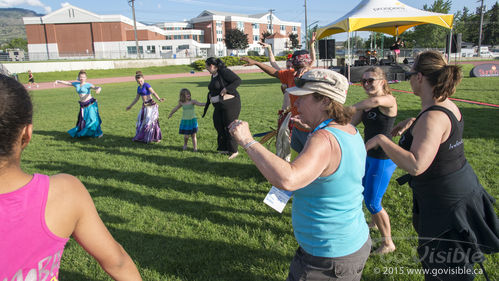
{"points": [[348, 67]]}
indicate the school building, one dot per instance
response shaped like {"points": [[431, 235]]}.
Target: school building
{"points": [[74, 33]]}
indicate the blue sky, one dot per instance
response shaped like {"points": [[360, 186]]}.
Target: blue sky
{"points": [[150, 11]]}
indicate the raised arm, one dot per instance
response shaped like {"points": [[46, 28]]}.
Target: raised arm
{"points": [[63, 82], [312, 49], [133, 102], [266, 68], [308, 166], [372, 102], [70, 201], [272, 60], [356, 118], [429, 132], [198, 103], [174, 110]]}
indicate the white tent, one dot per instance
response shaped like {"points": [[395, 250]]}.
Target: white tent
{"points": [[386, 16]]}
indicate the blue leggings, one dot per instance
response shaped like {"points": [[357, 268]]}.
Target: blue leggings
{"points": [[375, 182]]}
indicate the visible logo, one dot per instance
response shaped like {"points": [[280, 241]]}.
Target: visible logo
{"points": [[372, 115], [458, 143]]}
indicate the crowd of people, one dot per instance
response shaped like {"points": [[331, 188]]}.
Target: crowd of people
{"points": [[335, 171]]}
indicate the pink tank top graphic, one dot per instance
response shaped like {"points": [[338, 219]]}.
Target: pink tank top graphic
{"points": [[29, 251]]}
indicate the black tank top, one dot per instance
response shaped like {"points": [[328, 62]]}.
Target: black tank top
{"points": [[450, 154], [375, 122]]}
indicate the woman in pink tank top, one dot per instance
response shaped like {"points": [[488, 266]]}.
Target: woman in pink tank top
{"points": [[39, 213]]}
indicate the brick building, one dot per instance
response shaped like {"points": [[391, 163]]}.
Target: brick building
{"points": [[72, 32]]}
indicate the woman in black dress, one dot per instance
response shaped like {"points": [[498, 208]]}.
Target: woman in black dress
{"points": [[226, 101]]}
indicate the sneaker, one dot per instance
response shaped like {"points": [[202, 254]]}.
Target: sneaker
{"points": [[37, 86], [233, 155], [29, 87]]}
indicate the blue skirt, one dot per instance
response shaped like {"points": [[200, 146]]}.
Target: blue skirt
{"points": [[88, 124], [188, 127]]}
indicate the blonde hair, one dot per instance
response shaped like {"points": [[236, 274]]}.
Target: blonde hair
{"points": [[183, 95], [443, 77], [380, 74]]}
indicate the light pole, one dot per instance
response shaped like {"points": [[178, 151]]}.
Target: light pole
{"points": [[480, 34], [134, 27], [271, 26]]}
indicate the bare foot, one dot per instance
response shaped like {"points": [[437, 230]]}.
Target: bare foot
{"points": [[233, 155], [384, 249]]}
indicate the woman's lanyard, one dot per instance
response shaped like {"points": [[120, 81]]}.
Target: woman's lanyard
{"points": [[322, 125]]}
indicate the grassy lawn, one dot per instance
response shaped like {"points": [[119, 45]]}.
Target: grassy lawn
{"points": [[197, 216], [104, 73]]}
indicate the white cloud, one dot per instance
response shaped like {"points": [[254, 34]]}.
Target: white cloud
{"points": [[17, 3]]}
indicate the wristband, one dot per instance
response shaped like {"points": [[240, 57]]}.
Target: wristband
{"points": [[246, 146]]}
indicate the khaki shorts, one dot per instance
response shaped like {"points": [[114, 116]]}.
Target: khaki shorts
{"points": [[306, 267]]}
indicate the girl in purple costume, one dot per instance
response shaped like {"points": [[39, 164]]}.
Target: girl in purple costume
{"points": [[148, 129]]}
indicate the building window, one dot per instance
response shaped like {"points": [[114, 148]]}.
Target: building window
{"points": [[168, 37], [195, 37], [240, 25], [283, 28], [186, 37], [220, 39], [256, 38], [177, 37], [169, 28], [132, 50], [151, 49], [294, 28], [166, 48], [269, 27], [201, 38], [256, 26], [219, 24], [182, 47], [220, 53], [219, 32]]}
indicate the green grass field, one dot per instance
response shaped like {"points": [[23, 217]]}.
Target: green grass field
{"points": [[197, 216]]}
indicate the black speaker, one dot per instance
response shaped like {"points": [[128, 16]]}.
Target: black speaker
{"points": [[327, 49], [456, 43]]}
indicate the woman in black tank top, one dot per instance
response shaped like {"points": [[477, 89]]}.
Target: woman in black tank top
{"points": [[452, 213], [377, 113]]}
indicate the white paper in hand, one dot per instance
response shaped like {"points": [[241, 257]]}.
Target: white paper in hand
{"points": [[277, 198]]}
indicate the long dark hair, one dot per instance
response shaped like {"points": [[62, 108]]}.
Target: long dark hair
{"points": [[16, 111], [216, 62]]}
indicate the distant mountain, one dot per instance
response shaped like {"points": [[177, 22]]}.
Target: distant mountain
{"points": [[11, 23]]}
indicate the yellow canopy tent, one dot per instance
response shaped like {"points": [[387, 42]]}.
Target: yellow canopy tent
{"points": [[386, 16]]}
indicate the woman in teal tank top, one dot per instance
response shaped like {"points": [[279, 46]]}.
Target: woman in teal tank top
{"points": [[189, 123], [326, 181]]}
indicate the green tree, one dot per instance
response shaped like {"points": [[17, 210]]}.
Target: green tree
{"points": [[293, 38], [235, 39], [265, 35], [491, 27], [430, 35], [17, 43]]}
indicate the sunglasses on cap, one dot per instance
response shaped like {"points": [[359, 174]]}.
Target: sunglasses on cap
{"points": [[299, 82], [368, 80]]}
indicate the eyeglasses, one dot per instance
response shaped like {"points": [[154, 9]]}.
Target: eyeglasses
{"points": [[410, 73], [299, 82], [368, 80]]}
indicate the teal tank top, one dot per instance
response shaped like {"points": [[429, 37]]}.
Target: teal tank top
{"points": [[188, 112], [327, 215]]}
